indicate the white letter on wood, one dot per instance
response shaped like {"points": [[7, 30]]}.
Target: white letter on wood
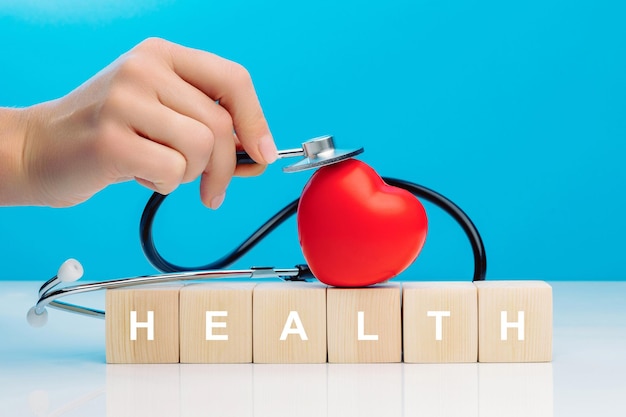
{"points": [[134, 325], [294, 317], [438, 315], [361, 328], [210, 325], [504, 325]]}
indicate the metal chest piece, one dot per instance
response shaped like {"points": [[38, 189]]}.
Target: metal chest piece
{"points": [[320, 152]]}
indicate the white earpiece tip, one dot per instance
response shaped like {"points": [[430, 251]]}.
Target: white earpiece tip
{"points": [[37, 320], [70, 271]]}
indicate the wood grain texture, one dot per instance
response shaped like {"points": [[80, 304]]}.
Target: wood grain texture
{"points": [[380, 318], [534, 299], [289, 322], [273, 304], [163, 302], [453, 306], [229, 344]]}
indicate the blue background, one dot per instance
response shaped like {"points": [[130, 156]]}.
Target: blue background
{"points": [[515, 110]]}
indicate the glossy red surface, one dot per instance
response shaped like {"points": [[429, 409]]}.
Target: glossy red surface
{"points": [[354, 229]]}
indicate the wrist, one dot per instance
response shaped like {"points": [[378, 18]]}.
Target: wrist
{"points": [[14, 184]]}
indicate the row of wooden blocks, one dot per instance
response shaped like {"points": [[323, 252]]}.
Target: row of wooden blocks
{"points": [[295, 322]]}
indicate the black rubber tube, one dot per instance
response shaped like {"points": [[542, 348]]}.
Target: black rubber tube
{"points": [[155, 258]]}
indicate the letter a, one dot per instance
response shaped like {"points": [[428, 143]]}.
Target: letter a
{"points": [[299, 329]]}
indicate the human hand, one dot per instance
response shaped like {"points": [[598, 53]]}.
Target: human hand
{"points": [[162, 114]]}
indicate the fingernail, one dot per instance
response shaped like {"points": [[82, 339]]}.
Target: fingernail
{"points": [[217, 201], [268, 149]]}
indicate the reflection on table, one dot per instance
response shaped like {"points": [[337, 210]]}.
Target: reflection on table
{"points": [[330, 390]]}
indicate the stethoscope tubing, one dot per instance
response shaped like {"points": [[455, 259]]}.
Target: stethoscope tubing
{"points": [[49, 297], [49, 294], [160, 263], [476, 241]]}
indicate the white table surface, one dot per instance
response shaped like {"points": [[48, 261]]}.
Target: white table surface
{"points": [[59, 370]]}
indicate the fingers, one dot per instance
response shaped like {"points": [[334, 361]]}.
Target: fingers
{"points": [[207, 150], [186, 99], [231, 85], [247, 170], [189, 137], [160, 168], [218, 173], [219, 164], [205, 106]]}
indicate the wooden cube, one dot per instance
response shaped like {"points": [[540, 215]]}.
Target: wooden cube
{"points": [[142, 325], [216, 323], [440, 322], [514, 321], [289, 323], [364, 324]]}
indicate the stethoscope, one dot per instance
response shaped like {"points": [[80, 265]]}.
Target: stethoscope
{"points": [[315, 153]]}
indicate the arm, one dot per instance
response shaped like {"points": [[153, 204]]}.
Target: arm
{"points": [[161, 114]]}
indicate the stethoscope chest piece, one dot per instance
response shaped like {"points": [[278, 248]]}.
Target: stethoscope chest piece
{"points": [[320, 152]]}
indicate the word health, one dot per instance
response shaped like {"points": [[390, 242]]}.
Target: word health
{"points": [[294, 322]]}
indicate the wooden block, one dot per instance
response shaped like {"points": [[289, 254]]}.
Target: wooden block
{"points": [[440, 322], [514, 321], [142, 325], [289, 323], [216, 323], [364, 324]]}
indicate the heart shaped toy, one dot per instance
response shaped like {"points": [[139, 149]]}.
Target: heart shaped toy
{"points": [[354, 229]]}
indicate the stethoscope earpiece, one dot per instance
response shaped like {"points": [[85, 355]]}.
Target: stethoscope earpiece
{"points": [[37, 319], [70, 271]]}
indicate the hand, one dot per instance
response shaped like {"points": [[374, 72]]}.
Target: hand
{"points": [[162, 114]]}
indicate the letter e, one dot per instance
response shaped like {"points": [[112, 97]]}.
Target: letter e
{"points": [[210, 325]]}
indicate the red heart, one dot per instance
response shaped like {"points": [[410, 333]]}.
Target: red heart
{"points": [[354, 229]]}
